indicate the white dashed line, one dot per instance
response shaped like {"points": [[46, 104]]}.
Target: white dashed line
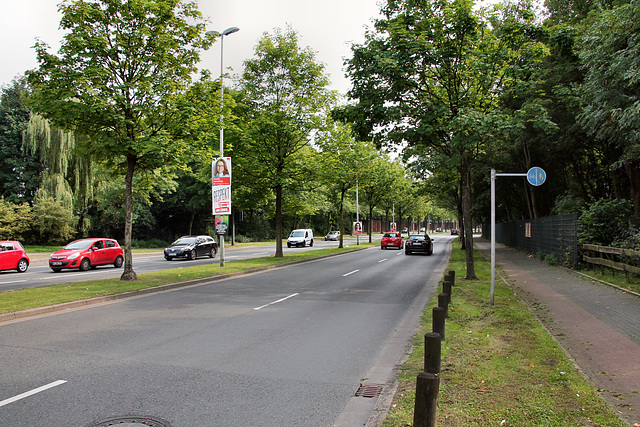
{"points": [[276, 302], [32, 392]]}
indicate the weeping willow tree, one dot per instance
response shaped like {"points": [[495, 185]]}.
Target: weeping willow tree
{"points": [[67, 178]]}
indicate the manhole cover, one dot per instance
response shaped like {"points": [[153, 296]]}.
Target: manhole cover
{"points": [[369, 390], [133, 421]]}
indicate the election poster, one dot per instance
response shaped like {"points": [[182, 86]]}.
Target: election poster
{"points": [[221, 186], [357, 227]]}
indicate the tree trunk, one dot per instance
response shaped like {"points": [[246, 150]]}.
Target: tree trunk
{"points": [[279, 253], [465, 173], [634, 179], [128, 273]]}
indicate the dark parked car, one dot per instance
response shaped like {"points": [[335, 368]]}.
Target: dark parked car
{"points": [[418, 243], [191, 247], [13, 256], [391, 239], [87, 253], [454, 232]]}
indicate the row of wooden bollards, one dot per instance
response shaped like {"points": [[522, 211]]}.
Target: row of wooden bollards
{"points": [[428, 382]]}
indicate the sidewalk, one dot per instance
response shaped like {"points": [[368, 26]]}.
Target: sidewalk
{"points": [[597, 325]]}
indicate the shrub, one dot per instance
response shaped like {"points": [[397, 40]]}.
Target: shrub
{"points": [[14, 220], [605, 221]]}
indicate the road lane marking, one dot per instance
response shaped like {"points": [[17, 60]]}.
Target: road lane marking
{"points": [[32, 392], [350, 273], [383, 259], [276, 302]]}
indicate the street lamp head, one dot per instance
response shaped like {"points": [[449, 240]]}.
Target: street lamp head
{"points": [[226, 32], [230, 30]]}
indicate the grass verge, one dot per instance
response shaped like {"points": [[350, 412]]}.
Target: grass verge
{"points": [[499, 365], [21, 299]]}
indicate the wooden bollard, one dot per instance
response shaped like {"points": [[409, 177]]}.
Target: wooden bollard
{"points": [[439, 315], [426, 404], [446, 288], [443, 301], [452, 276], [432, 352]]}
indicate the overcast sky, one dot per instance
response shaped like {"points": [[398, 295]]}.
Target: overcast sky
{"points": [[328, 27]]}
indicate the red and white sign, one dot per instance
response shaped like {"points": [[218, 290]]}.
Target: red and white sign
{"points": [[221, 186]]}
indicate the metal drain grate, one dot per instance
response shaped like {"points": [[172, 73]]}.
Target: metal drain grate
{"points": [[369, 390], [131, 420]]}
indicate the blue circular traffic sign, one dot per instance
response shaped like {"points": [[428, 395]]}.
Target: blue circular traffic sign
{"points": [[536, 176]]}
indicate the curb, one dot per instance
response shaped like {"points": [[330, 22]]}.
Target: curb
{"points": [[15, 315]]}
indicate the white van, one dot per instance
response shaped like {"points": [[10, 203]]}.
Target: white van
{"points": [[300, 237]]}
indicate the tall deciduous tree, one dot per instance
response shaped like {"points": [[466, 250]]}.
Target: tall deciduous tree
{"points": [[610, 53], [429, 76], [286, 91], [121, 66], [19, 169]]}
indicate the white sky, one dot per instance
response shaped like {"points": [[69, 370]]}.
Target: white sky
{"points": [[328, 27]]}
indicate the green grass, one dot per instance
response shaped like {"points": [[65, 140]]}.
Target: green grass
{"points": [[499, 365], [616, 278], [22, 299]]}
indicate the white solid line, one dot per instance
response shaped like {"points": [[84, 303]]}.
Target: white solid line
{"points": [[32, 392], [349, 273], [276, 302]]}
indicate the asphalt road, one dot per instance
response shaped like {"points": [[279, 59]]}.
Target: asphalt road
{"points": [[286, 347], [39, 273]]}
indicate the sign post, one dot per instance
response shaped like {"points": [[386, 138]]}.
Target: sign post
{"points": [[535, 176]]}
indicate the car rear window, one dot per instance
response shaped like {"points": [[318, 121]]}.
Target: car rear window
{"points": [[391, 235]]}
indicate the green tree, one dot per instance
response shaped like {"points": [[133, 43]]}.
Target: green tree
{"points": [[121, 68], [19, 169], [610, 54], [379, 178], [425, 76], [286, 92], [345, 160]]}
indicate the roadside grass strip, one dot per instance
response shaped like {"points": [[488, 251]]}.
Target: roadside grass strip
{"points": [[499, 366]]}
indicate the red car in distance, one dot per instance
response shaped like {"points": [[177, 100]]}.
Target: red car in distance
{"points": [[13, 256], [87, 253], [391, 239]]}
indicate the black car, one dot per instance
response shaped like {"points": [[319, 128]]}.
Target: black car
{"points": [[418, 243], [191, 247]]}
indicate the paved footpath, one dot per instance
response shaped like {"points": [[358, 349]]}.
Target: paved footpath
{"points": [[598, 325]]}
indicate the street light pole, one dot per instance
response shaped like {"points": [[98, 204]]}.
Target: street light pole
{"points": [[226, 32]]}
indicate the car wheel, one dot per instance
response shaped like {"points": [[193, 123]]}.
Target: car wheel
{"points": [[311, 244], [22, 265], [213, 252], [118, 262], [407, 253], [56, 270], [168, 258], [85, 264], [288, 245], [193, 254]]}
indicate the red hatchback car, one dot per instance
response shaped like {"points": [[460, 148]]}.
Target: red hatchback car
{"points": [[391, 239], [87, 253], [13, 256]]}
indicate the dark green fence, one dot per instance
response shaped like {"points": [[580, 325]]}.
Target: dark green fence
{"points": [[551, 237]]}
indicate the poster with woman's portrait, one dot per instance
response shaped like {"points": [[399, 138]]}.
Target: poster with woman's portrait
{"points": [[357, 227], [221, 186]]}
